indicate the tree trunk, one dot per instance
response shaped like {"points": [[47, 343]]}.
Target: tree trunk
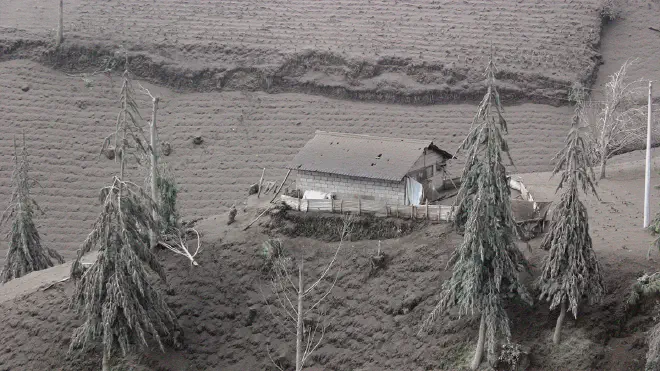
{"points": [[261, 180], [603, 162], [153, 236], [122, 148], [59, 38], [478, 354], [560, 321], [106, 363], [299, 322]]}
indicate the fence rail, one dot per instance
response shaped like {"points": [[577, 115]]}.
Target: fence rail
{"points": [[434, 213]]}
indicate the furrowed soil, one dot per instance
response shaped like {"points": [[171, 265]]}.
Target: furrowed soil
{"points": [[65, 123], [421, 52], [254, 80]]}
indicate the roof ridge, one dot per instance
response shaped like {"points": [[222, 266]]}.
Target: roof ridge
{"points": [[374, 137]]}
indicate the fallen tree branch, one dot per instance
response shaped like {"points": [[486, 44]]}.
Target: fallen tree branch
{"points": [[527, 221], [277, 191], [55, 283], [257, 218], [180, 248]]}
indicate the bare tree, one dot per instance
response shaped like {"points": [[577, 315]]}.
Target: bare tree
{"points": [[25, 253], [153, 176], [290, 306], [620, 118], [60, 26], [166, 231]]}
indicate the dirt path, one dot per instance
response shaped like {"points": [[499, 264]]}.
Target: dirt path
{"points": [[38, 280]]}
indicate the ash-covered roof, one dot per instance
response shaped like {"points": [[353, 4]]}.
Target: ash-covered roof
{"points": [[362, 156]]}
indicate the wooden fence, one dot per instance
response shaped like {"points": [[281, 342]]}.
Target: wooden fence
{"points": [[434, 213]]}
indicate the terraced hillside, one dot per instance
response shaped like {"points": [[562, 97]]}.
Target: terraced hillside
{"points": [[66, 122], [422, 51], [254, 79]]}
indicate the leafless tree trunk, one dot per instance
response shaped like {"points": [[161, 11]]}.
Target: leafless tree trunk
{"points": [[60, 26], [153, 236], [603, 162], [560, 320], [261, 180], [153, 155], [308, 337], [478, 354], [299, 320]]}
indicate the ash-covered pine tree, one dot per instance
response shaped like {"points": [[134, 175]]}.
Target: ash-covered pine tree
{"points": [[115, 296], [25, 253], [570, 270], [487, 263]]}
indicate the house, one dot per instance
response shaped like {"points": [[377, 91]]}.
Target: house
{"points": [[352, 166]]}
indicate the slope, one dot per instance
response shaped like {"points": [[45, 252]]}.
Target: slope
{"points": [[373, 319], [65, 123]]}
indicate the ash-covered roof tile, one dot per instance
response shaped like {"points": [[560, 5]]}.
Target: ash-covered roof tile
{"points": [[362, 156]]}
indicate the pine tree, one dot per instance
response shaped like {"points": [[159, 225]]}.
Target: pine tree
{"points": [[487, 263], [120, 307], [571, 270], [25, 253], [487, 125]]}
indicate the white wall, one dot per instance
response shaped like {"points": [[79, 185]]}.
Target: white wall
{"points": [[345, 187]]}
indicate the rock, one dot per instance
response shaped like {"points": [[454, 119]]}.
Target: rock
{"points": [[231, 216], [252, 314], [25, 88], [109, 153], [254, 189], [198, 140]]}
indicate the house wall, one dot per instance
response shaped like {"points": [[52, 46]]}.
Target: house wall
{"points": [[345, 187], [427, 159], [420, 172]]}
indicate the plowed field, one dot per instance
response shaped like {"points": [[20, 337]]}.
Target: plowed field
{"points": [[65, 123]]}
